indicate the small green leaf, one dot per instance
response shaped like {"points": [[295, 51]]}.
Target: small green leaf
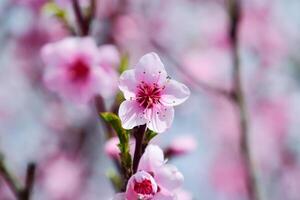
{"points": [[124, 63], [149, 135], [115, 122], [123, 135], [53, 9], [115, 179]]}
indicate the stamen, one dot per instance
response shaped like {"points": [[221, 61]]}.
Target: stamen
{"points": [[148, 94]]}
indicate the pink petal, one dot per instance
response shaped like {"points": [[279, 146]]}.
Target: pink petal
{"points": [[128, 84], [138, 178], [160, 118], [151, 70], [183, 195], [153, 157], [109, 56], [165, 195], [57, 80], [183, 144], [111, 148], [131, 114], [104, 82], [168, 177], [174, 93]]}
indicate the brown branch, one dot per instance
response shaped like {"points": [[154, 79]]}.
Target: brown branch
{"points": [[80, 18], [234, 9], [139, 134], [25, 194]]}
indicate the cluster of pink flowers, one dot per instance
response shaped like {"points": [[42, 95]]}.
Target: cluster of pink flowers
{"points": [[78, 70], [154, 179]]}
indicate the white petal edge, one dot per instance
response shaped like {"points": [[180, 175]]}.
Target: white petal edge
{"points": [[174, 93]]}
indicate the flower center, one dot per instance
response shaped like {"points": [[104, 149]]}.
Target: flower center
{"points": [[79, 71], [144, 187], [148, 95]]}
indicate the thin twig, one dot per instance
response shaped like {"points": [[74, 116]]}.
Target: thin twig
{"points": [[25, 194], [252, 185], [11, 181], [80, 18], [139, 134]]}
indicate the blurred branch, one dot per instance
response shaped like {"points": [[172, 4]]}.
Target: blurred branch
{"points": [[92, 11], [234, 10], [20, 192], [100, 107], [179, 67], [80, 18], [11, 181], [84, 21], [25, 193]]}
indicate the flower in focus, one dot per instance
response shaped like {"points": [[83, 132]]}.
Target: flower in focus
{"points": [[150, 95], [77, 71], [154, 180]]}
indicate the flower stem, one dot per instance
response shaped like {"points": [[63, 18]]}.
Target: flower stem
{"points": [[139, 134], [239, 99]]}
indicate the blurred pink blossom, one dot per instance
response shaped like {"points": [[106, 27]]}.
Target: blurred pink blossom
{"points": [[260, 32], [150, 95], [229, 175], [269, 130], [67, 3], [76, 70], [29, 43], [35, 5], [62, 178], [112, 150], [182, 145], [212, 67], [155, 180]]}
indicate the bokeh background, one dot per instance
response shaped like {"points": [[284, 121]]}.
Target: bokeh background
{"points": [[191, 36]]}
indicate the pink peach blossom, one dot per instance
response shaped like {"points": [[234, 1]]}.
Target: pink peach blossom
{"points": [[67, 3], [77, 71], [62, 177], [155, 180], [112, 150], [150, 95], [182, 145], [228, 174]]}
